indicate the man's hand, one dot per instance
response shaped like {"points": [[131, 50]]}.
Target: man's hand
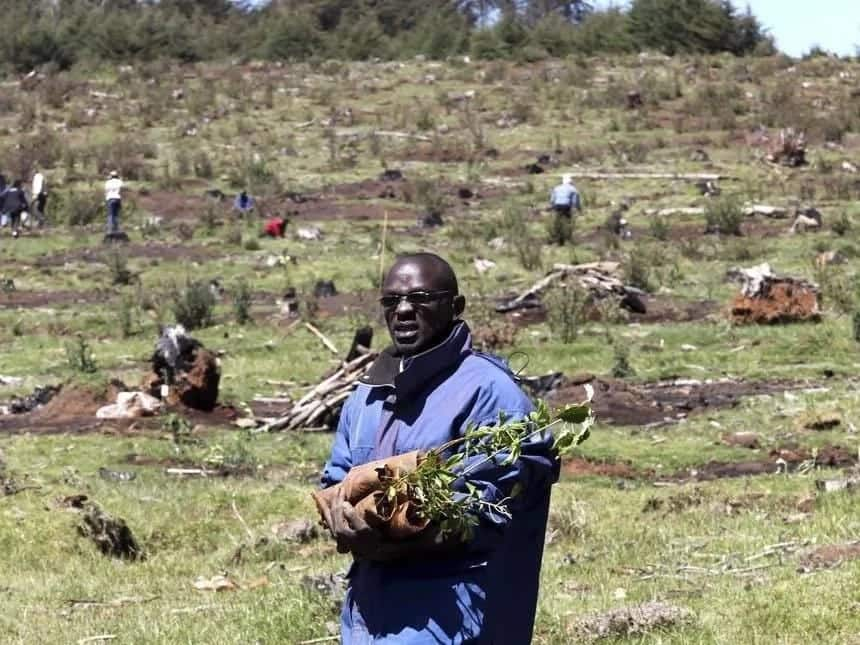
{"points": [[352, 533]]}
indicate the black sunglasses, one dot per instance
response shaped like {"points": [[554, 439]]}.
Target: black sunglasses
{"points": [[391, 300]]}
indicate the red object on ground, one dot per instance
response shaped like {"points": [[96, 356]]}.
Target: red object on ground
{"points": [[275, 227]]}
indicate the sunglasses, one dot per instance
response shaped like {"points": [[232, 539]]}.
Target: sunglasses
{"points": [[391, 300]]}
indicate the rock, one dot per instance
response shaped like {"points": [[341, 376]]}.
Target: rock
{"points": [[309, 233], [483, 265], [178, 94], [699, 155], [111, 535], [534, 169], [430, 220], [465, 193], [827, 258], [847, 166], [497, 243], [391, 174], [301, 531], [742, 440], [131, 405], [634, 100], [117, 475], [324, 289], [40, 396], [215, 194]]}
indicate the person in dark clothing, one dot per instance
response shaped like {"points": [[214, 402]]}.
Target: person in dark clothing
{"points": [[15, 203], [420, 393]]}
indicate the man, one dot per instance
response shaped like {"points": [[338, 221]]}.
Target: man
{"points": [[419, 394], [113, 198], [564, 198], [39, 195], [14, 204], [244, 203]]}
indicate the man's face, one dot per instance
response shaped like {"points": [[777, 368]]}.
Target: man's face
{"points": [[416, 326]]}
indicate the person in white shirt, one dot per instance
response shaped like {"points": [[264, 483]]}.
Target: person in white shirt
{"points": [[113, 187], [39, 197]]}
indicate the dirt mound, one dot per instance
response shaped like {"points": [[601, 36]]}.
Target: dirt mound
{"points": [[620, 403], [784, 303], [76, 401]]}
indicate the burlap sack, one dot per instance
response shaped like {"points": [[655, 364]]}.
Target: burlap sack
{"points": [[362, 481]]}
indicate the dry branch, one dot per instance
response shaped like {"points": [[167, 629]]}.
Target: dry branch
{"points": [[312, 410], [325, 341], [598, 278]]}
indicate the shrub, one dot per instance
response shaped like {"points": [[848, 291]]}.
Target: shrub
{"points": [[637, 269], [515, 230], [724, 215], [117, 265], [79, 356], [659, 228], [242, 298], [621, 367], [855, 325], [843, 225], [193, 305], [126, 316], [565, 311]]}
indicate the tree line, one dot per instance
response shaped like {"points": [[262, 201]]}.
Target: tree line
{"points": [[64, 33]]}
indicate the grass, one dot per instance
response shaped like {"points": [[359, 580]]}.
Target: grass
{"points": [[606, 551]]}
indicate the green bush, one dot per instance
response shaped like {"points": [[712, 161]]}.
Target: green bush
{"points": [[565, 311], [193, 305], [724, 216], [79, 356]]}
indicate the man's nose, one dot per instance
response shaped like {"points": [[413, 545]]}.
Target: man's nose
{"points": [[404, 307]]}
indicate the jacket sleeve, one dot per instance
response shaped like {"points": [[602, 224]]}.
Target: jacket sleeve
{"points": [[519, 486], [340, 460]]}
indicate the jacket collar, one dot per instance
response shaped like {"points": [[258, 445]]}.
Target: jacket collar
{"points": [[418, 369]]}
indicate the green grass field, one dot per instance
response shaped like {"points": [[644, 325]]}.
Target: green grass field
{"points": [[629, 522]]}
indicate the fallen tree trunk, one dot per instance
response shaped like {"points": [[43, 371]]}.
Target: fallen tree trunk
{"points": [[695, 176]]}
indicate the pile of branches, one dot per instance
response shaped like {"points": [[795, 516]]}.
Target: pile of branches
{"points": [[599, 279], [322, 404]]}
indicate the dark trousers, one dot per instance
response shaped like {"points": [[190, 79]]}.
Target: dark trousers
{"points": [[559, 209], [113, 207], [40, 202], [15, 219]]}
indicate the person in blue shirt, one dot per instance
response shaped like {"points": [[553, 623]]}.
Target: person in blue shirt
{"points": [[564, 198], [420, 393], [244, 203]]}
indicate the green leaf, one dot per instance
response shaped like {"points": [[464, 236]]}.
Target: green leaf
{"points": [[576, 413]]}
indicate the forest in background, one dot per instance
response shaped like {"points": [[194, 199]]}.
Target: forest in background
{"points": [[67, 33]]}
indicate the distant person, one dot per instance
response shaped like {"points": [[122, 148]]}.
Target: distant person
{"points": [[244, 203], [39, 196], [4, 216], [14, 205], [113, 198], [564, 198], [275, 227]]}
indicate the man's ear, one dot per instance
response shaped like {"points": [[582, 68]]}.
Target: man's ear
{"points": [[459, 305]]}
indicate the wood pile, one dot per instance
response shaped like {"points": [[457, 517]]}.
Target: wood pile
{"points": [[600, 279], [321, 406]]}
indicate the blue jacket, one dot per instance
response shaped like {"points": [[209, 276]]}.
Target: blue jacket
{"points": [[487, 591], [565, 195]]}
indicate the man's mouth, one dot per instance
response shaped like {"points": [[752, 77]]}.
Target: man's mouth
{"points": [[405, 333]]}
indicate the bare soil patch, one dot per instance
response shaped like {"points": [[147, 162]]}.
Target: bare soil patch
{"points": [[332, 210], [33, 299], [155, 250], [828, 556], [620, 403], [171, 205]]}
